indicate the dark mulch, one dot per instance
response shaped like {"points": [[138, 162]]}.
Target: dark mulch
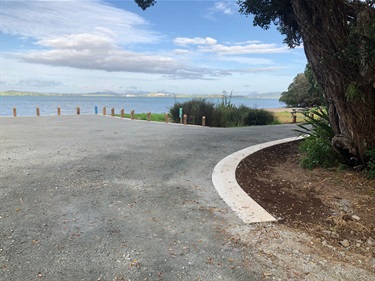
{"points": [[329, 204]]}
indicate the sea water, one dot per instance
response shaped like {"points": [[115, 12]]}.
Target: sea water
{"points": [[26, 105]]}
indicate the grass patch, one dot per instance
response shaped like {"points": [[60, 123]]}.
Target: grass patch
{"points": [[285, 117], [157, 117]]}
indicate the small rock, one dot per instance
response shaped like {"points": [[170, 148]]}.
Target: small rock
{"points": [[334, 235], [354, 217], [345, 243]]}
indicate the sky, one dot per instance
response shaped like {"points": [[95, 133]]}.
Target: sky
{"points": [[180, 47]]}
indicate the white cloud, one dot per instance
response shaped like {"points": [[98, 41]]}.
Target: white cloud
{"points": [[180, 51], [226, 8], [258, 69], [82, 41], [209, 45], [246, 60], [244, 49], [95, 52], [43, 19], [183, 41], [40, 83]]}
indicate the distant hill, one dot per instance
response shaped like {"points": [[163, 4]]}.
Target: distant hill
{"points": [[271, 95]]}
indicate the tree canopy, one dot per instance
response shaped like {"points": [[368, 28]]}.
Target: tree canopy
{"points": [[303, 91]]}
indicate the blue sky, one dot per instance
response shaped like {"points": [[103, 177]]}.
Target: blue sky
{"points": [[181, 47]]}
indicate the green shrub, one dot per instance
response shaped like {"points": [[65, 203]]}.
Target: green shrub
{"points": [[226, 117], [224, 114], [370, 167], [242, 116], [259, 117], [317, 148], [318, 152], [318, 126], [195, 109]]}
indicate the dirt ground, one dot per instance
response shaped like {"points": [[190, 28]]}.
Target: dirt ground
{"points": [[336, 208]]}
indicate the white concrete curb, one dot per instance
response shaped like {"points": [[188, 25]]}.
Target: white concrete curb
{"points": [[224, 180]]}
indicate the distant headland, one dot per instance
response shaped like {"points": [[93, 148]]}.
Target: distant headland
{"points": [[271, 95]]}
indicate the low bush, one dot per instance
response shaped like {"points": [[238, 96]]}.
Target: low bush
{"points": [[259, 117], [370, 167], [221, 115], [318, 152], [317, 149], [195, 109]]}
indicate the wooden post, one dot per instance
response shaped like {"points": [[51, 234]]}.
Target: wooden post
{"points": [[312, 115], [132, 114], [37, 111], [294, 115], [113, 111], [78, 110], [166, 117], [58, 111], [104, 111], [122, 113], [203, 121], [149, 116], [185, 119], [14, 111]]}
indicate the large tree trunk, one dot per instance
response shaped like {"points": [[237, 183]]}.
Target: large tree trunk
{"points": [[348, 84]]}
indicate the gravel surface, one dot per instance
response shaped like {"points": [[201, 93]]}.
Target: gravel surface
{"points": [[101, 198]]}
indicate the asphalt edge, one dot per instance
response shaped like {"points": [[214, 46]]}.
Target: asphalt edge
{"points": [[225, 183]]}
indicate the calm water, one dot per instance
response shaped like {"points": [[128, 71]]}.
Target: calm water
{"points": [[26, 105]]}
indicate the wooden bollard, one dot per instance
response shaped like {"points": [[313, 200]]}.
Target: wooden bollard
{"points": [[14, 111], [104, 111], [113, 111], [37, 111], [58, 110], [185, 119], [122, 113], [294, 116], [132, 114], [78, 110], [149, 116], [166, 117], [203, 121]]}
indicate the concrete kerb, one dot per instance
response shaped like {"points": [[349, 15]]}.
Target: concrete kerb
{"points": [[224, 180]]}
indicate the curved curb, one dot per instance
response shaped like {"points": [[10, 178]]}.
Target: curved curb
{"points": [[224, 180]]}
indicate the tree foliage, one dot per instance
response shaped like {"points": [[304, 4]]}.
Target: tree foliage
{"points": [[303, 91], [145, 4]]}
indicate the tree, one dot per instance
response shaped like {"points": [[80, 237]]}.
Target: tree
{"points": [[303, 91], [314, 91], [297, 93], [338, 37]]}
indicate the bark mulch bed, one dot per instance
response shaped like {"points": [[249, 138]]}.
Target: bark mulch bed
{"points": [[335, 207]]}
